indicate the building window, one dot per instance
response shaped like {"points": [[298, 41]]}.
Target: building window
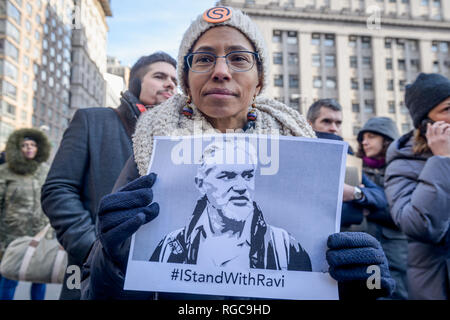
{"points": [[434, 47], [317, 82], [329, 40], [368, 84], [316, 59], [294, 103], [6, 27], [415, 64], [278, 80], [406, 127], [315, 39], [401, 64], [388, 43], [330, 61], [367, 61], [355, 107], [436, 67], [366, 43], [331, 82], [352, 41], [356, 130], [293, 59], [390, 85], [403, 108], [388, 64], [391, 105], [353, 62], [276, 37], [369, 106], [293, 81], [292, 37], [402, 84], [354, 84], [7, 89], [8, 69], [277, 58]]}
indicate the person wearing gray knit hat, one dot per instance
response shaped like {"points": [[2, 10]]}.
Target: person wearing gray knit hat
{"points": [[382, 125], [374, 139], [427, 91], [223, 73]]}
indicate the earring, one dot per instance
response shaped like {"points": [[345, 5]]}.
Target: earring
{"points": [[187, 109], [251, 115]]}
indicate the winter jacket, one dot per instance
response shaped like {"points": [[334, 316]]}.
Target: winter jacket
{"points": [[392, 239], [91, 155], [418, 191], [102, 278], [20, 188]]}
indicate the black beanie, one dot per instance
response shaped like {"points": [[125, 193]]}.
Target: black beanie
{"points": [[428, 91]]}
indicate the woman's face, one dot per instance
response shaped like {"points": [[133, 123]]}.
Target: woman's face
{"points": [[441, 112], [224, 95], [29, 149], [372, 144]]}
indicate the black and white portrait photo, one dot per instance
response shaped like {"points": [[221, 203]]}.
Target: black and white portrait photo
{"points": [[240, 215], [227, 227]]}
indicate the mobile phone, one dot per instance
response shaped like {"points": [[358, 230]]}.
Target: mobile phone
{"points": [[424, 125]]}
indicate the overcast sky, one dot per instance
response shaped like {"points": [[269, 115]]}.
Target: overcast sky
{"points": [[141, 27]]}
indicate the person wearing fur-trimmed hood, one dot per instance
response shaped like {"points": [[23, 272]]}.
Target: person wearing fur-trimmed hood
{"points": [[21, 178]]}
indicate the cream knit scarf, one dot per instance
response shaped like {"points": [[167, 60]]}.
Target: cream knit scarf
{"points": [[166, 119]]}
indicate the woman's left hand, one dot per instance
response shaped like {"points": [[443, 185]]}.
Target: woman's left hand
{"points": [[353, 257]]}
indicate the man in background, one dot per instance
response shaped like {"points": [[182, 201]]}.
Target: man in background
{"points": [[91, 155]]}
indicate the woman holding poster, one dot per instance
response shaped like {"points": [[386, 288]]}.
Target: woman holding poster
{"points": [[223, 70]]}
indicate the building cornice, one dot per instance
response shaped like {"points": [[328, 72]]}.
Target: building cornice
{"points": [[330, 16], [106, 7]]}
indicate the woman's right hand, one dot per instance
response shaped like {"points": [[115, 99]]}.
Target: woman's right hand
{"points": [[438, 138], [122, 213]]}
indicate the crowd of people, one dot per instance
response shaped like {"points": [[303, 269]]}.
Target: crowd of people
{"points": [[97, 192]]}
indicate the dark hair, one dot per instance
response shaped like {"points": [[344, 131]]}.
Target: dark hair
{"points": [[314, 109], [140, 69], [386, 143]]}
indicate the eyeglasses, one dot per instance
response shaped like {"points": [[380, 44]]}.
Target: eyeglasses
{"points": [[240, 61]]}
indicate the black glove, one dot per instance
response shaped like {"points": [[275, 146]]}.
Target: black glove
{"points": [[122, 213], [349, 256]]}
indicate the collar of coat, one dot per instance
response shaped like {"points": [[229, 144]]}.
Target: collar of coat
{"points": [[166, 119]]}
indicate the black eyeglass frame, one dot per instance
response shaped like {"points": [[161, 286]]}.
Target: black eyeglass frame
{"points": [[192, 54]]}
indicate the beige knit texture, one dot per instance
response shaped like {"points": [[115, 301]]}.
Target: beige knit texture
{"points": [[238, 20], [166, 119]]}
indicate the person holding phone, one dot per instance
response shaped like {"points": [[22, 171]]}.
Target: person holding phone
{"points": [[417, 185]]}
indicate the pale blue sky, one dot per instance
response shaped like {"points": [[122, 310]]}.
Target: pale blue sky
{"points": [[141, 27]]}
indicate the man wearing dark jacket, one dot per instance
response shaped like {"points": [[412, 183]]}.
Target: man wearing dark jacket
{"points": [[91, 155], [325, 117]]}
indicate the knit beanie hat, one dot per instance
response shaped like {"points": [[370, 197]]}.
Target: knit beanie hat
{"points": [[381, 125], [216, 17], [428, 91]]}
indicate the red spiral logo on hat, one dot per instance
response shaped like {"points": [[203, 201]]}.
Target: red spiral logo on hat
{"points": [[217, 15]]}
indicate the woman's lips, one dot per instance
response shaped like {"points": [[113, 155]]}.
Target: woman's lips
{"points": [[220, 93]]}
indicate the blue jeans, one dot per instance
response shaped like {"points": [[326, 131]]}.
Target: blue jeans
{"points": [[8, 288]]}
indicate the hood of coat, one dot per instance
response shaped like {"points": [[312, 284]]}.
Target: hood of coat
{"points": [[166, 119], [402, 148], [14, 157]]}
